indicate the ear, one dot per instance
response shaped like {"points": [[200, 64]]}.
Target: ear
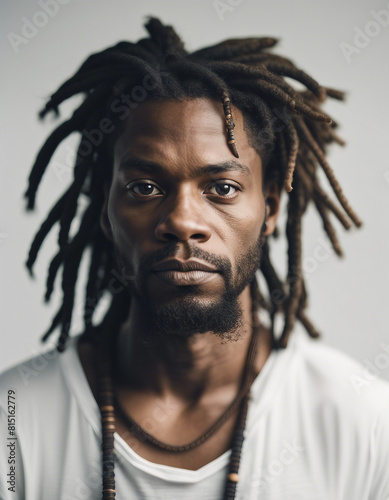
{"points": [[104, 219], [272, 200]]}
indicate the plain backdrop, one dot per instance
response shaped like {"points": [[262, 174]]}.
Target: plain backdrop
{"points": [[341, 44]]}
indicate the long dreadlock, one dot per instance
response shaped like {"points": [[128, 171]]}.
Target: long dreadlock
{"points": [[285, 126]]}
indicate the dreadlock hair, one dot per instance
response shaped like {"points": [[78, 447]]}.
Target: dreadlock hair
{"points": [[285, 126]]}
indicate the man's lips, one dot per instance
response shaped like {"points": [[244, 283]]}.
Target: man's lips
{"points": [[184, 273], [183, 265]]}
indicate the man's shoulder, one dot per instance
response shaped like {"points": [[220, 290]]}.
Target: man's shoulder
{"points": [[339, 381], [37, 377]]}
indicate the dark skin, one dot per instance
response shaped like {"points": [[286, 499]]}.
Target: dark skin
{"points": [[177, 389]]}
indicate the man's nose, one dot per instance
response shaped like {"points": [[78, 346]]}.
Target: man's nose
{"points": [[183, 218]]}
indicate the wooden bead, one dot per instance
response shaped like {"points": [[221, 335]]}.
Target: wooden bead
{"points": [[107, 408], [233, 476]]}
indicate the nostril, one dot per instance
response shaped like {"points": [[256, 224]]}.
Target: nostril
{"points": [[173, 237], [170, 237]]}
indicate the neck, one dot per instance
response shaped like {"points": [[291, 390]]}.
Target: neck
{"points": [[188, 368]]}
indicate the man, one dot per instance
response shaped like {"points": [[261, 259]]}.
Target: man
{"points": [[180, 391]]}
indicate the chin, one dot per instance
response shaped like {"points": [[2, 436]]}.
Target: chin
{"points": [[187, 315]]}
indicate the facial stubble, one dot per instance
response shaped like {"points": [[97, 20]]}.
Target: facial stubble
{"points": [[187, 314]]}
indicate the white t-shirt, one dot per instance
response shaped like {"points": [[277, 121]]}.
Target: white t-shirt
{"points": [[317, 428]]}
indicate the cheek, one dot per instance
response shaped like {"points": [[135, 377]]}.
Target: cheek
{"points": [[129, 228], [247, 220], [246, 234], [126, 225], [243, 231]]}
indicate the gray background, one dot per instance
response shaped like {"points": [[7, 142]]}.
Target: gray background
{"points": [[348, 297]]}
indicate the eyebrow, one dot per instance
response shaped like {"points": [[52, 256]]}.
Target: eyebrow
{"points": [[135, 163]]}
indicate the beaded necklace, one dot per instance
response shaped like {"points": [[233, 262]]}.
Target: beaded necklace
{"points": [[109, 405]]}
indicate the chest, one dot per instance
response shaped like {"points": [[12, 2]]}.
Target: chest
{"points": [[179, 431]]}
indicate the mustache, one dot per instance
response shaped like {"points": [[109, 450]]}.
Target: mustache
{"points": [[222, 264]]}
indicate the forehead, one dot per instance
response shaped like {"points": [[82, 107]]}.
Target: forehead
{"points": [[183, 133]]}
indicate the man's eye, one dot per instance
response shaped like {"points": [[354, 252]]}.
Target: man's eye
{"points": [[144, 188], [223, 189]]}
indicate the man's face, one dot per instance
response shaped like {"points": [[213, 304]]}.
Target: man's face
{"points": [[185, 215]]}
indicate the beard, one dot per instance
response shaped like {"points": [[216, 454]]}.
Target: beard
{"points": [[187, 314]]}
